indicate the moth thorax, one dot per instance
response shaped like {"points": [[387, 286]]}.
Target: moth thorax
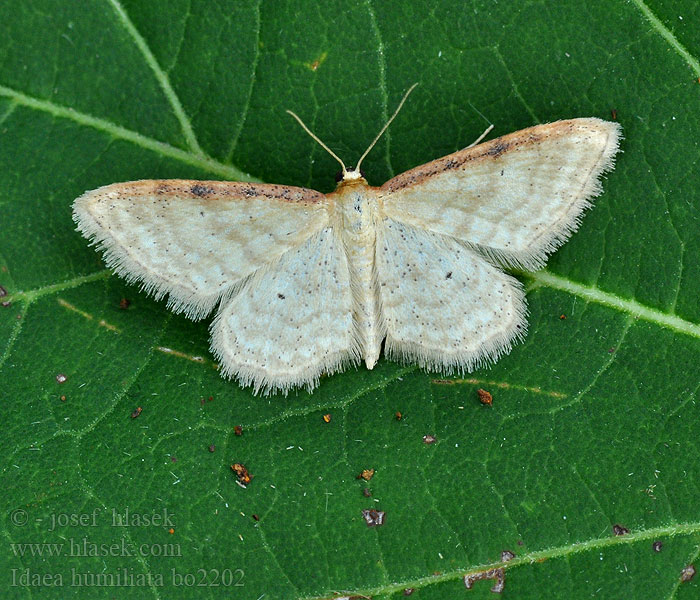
{"points": [[358, 209]]}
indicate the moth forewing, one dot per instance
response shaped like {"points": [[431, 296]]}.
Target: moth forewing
{"points": [[196, 241], [515, 198]]}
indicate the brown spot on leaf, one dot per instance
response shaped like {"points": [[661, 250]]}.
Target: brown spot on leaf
{"points": [[137, 412], [687, 573], [366, 474], [484, 397], [613, 114], [398, 415], [657, 546], [367, 493], [242, 474], [429, 439], [212, 448], [3, 292], [124, 303], [327, 418], [620, 530], [238, 430]]}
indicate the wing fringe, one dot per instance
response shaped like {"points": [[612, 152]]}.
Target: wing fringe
{"points": [[550, 240], [180, 300]]}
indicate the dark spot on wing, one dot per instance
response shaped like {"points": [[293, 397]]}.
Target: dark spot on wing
{"points": [[486, 151], [201, 190], [497, 149], [451, 164]]}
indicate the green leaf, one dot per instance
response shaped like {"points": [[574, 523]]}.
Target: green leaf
{"points": [[595, 420]]}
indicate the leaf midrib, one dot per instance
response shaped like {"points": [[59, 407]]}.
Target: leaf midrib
{"points": [[667, 35], [202, 161]]}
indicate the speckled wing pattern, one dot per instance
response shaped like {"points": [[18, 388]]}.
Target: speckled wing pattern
{"points": [[293, 270], [510, 201], [444, 306], [196, 241], [293, 321], [515, 198]]}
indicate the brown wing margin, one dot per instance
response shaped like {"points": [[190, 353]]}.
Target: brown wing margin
{"points": [[516, 198], [196, 241]]}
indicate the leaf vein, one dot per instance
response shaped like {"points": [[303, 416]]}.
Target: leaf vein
{"points": [[251, 86], [564, 552], [632, 307], [666, 33], [161, 77], [201, 161], [381, 60]]}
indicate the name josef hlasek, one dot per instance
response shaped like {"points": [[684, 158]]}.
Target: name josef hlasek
{"points": [[123, 518]]}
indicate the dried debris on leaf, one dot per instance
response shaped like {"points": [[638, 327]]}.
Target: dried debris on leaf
{"points": [[484, 397], [499, 575], [242, 474], [366, 474], [687, 573], [373, 517]]}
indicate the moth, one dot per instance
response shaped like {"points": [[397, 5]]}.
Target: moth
{"points": [[305, 284]]}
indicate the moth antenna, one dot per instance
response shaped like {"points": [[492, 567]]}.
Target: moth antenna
{"points": [[376, 139], [481, 137], [488, 129], [315, 137]]}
